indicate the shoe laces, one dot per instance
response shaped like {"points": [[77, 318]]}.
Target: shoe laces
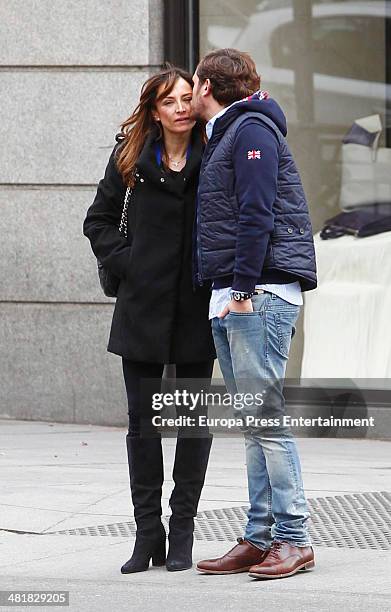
{"points": [[275, 549]]}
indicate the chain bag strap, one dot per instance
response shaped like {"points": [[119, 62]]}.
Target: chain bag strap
{"points": [[123, 226], [109, 281]]}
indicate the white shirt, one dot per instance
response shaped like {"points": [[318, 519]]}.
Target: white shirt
{"points": [[290, 292], [209, 126]]}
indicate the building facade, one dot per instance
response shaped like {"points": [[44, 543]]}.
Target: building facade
{"points": [[71, 72]]}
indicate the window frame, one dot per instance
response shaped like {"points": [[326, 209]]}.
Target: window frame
{"points": [[182, 33]]}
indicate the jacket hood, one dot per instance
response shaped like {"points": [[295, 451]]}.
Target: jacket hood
{"points": [[259, 102]]}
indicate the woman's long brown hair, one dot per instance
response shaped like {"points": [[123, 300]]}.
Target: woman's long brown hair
{"points": [[136, 128]]}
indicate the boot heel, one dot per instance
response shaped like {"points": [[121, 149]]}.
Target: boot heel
{"points": [[308, 566], [159, 555]]}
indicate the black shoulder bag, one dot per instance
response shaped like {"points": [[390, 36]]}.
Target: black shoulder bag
{"points": [[365, 221], [109, 281]]}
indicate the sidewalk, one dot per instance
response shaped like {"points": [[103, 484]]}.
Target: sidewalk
{"points": [[58, 477]]}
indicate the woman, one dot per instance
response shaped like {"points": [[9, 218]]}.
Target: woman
{"points": [[160, 316]]}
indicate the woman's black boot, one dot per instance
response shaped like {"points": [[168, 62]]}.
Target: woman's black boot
{"points": [[181, 544], [145, 549], [191, 461], [145, 460]]}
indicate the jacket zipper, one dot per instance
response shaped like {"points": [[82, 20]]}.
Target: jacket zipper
{"points": [[199, 264]]}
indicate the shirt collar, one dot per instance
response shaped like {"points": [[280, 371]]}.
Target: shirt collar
{"points": [[209, 126], [260, 94]]}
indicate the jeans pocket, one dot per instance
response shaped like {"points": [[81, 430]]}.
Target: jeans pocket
{"points": [[285, 329]]}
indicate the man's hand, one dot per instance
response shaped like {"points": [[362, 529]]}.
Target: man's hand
{"points": [[234, 306]]}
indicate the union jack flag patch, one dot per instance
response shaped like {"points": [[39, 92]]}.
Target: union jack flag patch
{"points": [[254, 154]]}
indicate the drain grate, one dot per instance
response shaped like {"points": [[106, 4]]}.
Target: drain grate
{"points": [[360, 520]]}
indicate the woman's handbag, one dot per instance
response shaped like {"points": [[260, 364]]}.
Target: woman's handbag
{"points": [[364, 221], [109, 281]]}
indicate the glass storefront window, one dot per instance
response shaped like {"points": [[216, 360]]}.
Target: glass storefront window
{"points": [[325, 63]]}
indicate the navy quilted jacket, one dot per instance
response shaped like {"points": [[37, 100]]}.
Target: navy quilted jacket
{"points": [[252, 224]]}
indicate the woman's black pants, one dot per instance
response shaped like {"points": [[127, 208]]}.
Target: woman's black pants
{"points": [[143, 380], [144, 447]]}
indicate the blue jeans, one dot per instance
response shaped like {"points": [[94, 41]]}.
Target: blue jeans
{"points": [[252, 349]]}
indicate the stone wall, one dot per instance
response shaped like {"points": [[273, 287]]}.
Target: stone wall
{"points": [[70, 72]]}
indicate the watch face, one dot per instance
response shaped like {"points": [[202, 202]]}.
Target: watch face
{"points": [[237, 296]]}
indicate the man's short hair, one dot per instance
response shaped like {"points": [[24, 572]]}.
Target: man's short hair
{"points": [[232, 74]]}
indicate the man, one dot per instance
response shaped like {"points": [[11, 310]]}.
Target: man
{"points": [[254, 241]]}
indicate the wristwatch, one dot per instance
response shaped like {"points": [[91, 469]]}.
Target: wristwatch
{"points": [[240, 296]]}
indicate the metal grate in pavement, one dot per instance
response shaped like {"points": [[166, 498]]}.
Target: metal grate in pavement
{"points": [[359, 520]]}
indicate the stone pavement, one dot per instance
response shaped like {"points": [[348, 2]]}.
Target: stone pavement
{"points": [[58, 477]]}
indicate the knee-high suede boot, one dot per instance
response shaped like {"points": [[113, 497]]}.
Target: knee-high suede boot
{"points": [[145, 460], [191, 461]]}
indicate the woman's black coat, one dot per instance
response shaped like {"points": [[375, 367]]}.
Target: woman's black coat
{"points": [[158, 317]]}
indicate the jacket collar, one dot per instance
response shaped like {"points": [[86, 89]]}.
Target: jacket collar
{"points": [[147, 164]]}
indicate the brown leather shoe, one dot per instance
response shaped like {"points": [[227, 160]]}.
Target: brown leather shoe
{"points": [[284, 560], [239, 559]]}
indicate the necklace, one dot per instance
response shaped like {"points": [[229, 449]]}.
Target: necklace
{"points": [[176, 163]]}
